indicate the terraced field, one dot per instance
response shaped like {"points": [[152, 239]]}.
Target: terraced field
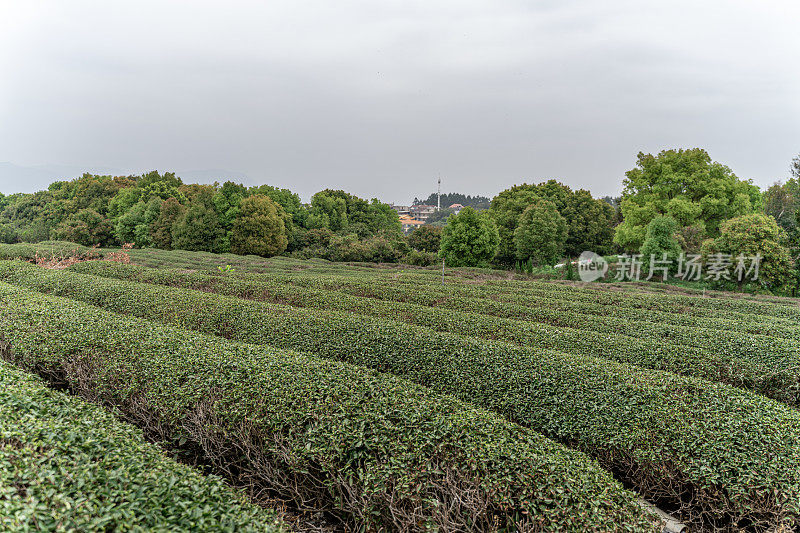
{"points": [[370, 397]]}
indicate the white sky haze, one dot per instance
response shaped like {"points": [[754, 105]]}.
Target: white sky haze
{"points": [[381, 97]]}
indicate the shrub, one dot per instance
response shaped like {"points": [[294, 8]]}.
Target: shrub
{"points": [[372, 449], [66, 465], [668, 435], [425, 239], [259, 228], [660, 243], [415, 257], [541, 234], [469, 239]]}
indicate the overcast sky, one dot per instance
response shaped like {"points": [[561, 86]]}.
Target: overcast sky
{"points": [[381, 97]]}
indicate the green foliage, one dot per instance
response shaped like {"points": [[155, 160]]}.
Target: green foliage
{"points": [[541, 234], [749, 235], [573, 322], [469, 239], [86, 227], [418, 258], [624, 415], [476, 202], [258, 228], [782, 202], [66, 465], [199, 228], [296, 216], [426, 239], [161, 228], [660, 243], [342, 212], [686, 185], [589, 221], [226, 202], [134, 225], [367, 447]]}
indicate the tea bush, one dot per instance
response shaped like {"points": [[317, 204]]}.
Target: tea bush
{"points": [[371, 449], [66, 465]]}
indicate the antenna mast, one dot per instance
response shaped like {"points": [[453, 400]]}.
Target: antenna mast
{"points": [[439, 195]]}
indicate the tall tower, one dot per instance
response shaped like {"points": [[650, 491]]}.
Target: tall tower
{"points": [[439, 195]]}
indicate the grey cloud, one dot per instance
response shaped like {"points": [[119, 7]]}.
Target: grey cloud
{"points": [[380, 98]]}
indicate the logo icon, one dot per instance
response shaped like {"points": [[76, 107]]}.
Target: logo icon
{"points": [[591, 266]]}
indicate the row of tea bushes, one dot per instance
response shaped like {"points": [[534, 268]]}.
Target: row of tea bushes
{"points": [[671, 304], [596, 302], [66, 465], [45, 249], [580, 300], [733, 451], [758, 373], [373, 450], [730, 343], [668, 302]]}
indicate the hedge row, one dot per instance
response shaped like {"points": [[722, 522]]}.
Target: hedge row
{"points": [[728, 456], [731, 343], [371, 449], [777, 378], [66, 465], [597, 302], [598, 293], [46, 249], [671, 301], [650, 301]]}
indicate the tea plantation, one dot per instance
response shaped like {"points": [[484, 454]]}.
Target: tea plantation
{"points": [[279, 394]]}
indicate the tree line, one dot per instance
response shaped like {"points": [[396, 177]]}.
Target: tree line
{"points": [[675, 202], [672, 202]]}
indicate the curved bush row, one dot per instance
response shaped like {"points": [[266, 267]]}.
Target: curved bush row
{"points": [[45, 249], [724, 321], [730, 343], [601, 302], [66, 465], [728, 455], [670, 301], [777, 378], [432, 295], [734, 308], [597, 302], [372, 449]]}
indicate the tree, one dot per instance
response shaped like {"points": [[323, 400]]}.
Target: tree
{"points": [[590, 224], [426, 238], [781, 201], [541, 234], [686, 185], [506, 209], [447, 199], [134, 225], [590, 221], [469, 239], [198, 228], [226, 202], [161, 228], [259, 228], [795, 167], [86, 227], [660, 240], [327, 211], [753, 234]]}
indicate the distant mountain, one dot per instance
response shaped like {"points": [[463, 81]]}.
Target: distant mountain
{"points": [[18, 178]]}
